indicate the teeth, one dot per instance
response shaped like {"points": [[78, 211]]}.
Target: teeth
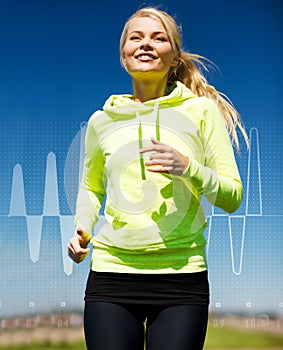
{"points": [[145, 57]]}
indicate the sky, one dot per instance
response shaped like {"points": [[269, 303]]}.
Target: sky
{"points": [[59, 62]]}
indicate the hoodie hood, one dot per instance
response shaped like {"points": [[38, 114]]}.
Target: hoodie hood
{"points": [[123, 107], [126, 106]]}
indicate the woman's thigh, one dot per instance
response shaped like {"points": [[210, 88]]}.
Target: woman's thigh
{"points": [[180, 327], [110, 326]]}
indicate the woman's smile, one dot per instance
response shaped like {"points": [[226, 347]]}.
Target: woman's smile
{"points": [[148, 48], [145, 57]]}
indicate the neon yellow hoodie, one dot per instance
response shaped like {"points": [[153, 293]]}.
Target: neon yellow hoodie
{"points": [[155, 221]]}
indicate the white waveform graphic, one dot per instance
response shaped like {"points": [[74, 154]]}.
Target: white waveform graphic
{"points": [[236, 223], [253, 206], [50, 206], [254, 177]]}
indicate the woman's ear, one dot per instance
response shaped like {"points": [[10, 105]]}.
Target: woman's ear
{"points": [[123, 59], [123, 62]]}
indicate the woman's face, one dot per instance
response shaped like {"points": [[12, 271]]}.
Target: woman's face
{"points": [[147, 49]]}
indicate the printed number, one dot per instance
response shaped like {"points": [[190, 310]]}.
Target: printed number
{"points": [[218, 322], [62, 323], [250, 323], [32, 323]]}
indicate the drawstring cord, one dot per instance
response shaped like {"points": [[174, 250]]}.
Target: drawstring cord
{"points": [[140, 147], [157, 131], [157, 125]]}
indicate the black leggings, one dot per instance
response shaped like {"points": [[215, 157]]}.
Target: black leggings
{"points": [[111, 326]]}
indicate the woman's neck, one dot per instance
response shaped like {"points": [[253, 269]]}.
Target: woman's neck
{"points": [[148, 90]]}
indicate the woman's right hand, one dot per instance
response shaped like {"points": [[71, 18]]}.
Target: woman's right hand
{"points": [[77, 247]]}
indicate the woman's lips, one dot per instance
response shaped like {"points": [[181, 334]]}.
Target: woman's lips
{"points": [[145, 57]]}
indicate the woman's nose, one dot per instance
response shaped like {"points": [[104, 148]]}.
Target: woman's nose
{"points": [[146, 43]]}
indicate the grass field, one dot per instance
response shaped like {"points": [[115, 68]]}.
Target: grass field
{"points": [[231, 338], [223, 337]]}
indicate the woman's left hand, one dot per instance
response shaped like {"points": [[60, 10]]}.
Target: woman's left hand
{"points": [[166, 159]]}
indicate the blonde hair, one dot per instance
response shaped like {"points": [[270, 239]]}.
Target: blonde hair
{"points": [[189, 71]]}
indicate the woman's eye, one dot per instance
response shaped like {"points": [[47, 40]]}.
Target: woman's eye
{"points": [[135, 38], [161, 39]]}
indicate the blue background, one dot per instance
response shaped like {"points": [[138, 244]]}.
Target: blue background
{"points": [[59, 61]]}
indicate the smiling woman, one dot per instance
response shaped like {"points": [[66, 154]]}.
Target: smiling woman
{"points": [[147, 49], [149, 262]]}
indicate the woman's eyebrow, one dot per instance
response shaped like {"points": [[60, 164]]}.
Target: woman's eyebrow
{"points": [[141, 32]]}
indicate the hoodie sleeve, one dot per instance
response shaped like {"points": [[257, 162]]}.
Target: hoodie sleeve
{"points": [[218, 179], [92, 190]]}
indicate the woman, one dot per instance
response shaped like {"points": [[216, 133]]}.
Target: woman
{"points": [[154, 154]]}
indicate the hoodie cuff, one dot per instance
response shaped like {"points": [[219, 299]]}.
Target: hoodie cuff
{"points": [[85, 223], [194, 175], [188, 166]]}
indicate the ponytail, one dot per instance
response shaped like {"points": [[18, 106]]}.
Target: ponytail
{"points": [[188, 71]]}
